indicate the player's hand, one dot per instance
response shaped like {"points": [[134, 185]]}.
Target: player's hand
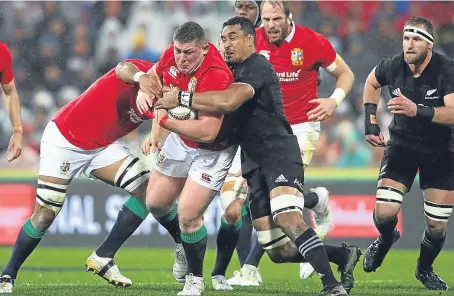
{"points": [[323, 111], [143, 102], [152, 145], [14, 147], [151, 85], [169, 100], [376, 141], [402, 105], [160, 113]]}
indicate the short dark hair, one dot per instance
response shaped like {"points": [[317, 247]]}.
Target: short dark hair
{"points": [[188, 32], [245, 24], [284, 4], [418, 21]]}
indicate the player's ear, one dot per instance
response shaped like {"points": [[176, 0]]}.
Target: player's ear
{"points": [[205, 48], [250, 40]]}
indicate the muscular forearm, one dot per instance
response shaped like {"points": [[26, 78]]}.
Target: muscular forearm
{"points": [[194, 129], [12, 104], [345, 81], [126, 71], [371, 94], [444, 115], [212, 102]]}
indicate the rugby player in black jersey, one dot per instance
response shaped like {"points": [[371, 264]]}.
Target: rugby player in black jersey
{"points": [[421, 83], [270, 158]]}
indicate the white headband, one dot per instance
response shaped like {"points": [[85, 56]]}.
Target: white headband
{"points": [[415, 31]]}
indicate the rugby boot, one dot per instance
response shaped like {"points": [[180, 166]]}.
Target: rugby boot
{"points": [[430, 279], [108, 270], [6, 284], [333, 290], [346, 271], [376, 252]]}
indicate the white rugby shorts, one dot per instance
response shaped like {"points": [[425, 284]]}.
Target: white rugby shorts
{"points": [[61, 159], [205, 167]]}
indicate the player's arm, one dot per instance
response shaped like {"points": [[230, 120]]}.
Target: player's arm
{"points": [[220, 102], [336, 67], [203, 129], [371, 98], [445, 115], [12, 104]]}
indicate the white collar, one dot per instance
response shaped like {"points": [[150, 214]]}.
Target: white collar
{"points": [[292, 33]]}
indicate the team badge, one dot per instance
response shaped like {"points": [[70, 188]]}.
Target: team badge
{"points": [[64, 168], [160, 159], [192, 84], [297, 57]]}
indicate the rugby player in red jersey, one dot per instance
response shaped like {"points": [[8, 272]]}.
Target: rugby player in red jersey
{"points": [[82, 138], [196, 155], [12, 102]]}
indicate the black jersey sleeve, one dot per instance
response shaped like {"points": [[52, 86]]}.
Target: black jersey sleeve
{"points": [[383, 70], [252, 73], [448, 78]]}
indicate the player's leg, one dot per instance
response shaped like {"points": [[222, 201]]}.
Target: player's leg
{"points": [[206, 177], [244, 245], [166, 182], [397, 172], [116, 166], [436, 178], [232, 197], [316, 199], [284, 181], [59, 163]]}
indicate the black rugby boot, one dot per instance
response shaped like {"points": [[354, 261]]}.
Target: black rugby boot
{"points": [[353, 253], [376, 252], [430, 279]]}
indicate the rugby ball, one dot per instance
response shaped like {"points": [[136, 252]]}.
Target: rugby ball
{"points": [[182, 113]]}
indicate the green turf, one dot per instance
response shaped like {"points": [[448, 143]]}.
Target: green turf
{"points": [[51, 271]]}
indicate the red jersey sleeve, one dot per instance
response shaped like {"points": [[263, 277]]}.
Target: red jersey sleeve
{"points": [[325, 51], [6, 64], [164, 59], [215, 79], [143, 65]]}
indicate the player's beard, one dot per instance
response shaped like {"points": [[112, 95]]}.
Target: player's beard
{"points": [[416, 59]]}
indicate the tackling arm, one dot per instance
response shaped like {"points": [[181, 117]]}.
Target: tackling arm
{"points": [[203, 129], [12, 104], [128, 72], [220, 102]]}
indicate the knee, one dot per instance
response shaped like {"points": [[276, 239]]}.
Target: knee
{"points": [[388, 202], [140, 192], [189, 221], [274, 242], [437, 215], [282, 254], [436, 228], [42, 218], [287, 210], [157, 207], [233, 213]]}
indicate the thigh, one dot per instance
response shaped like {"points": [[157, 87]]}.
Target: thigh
{"points": [[259, 199], [437, 171], [59, 158], [174, 159], [112, 156], [284, 174], [235, 169], [399, 164], [210, 168], [307, 134], [194, 200]]}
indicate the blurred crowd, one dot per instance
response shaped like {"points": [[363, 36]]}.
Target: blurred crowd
{"points": [[60, 48]]}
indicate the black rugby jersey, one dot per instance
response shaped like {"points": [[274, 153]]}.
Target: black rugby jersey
{"points": [[262, 129], [435, 82]]}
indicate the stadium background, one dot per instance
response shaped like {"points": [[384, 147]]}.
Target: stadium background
{"points": [[60, 48]]}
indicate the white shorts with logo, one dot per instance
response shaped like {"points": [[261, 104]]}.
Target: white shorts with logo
{"points": [[61, 159], [205, 167], [307, 134]]}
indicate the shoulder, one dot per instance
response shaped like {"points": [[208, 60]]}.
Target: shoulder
{"points": [[391, 63], [445, 64], [167, 56]]}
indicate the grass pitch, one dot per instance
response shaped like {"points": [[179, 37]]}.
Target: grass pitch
{"points": [[61, 271]]}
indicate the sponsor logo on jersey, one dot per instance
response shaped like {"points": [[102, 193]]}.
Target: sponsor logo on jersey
{"points": [[64, 168], [265, 53], [289, 76], [173, 72], [206, 178], [134, 117], [297, 57], [430, 95]]}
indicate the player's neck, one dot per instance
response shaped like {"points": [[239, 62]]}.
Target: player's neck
{"points": [[417, 69]]}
